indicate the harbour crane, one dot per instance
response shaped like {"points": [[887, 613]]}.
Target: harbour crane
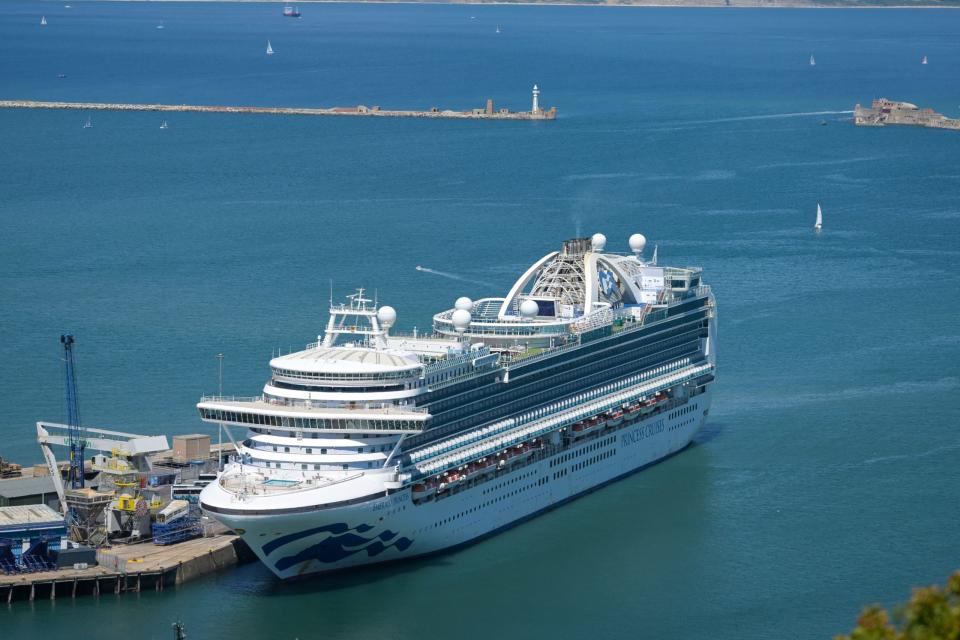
{"points": [[76, 437]]}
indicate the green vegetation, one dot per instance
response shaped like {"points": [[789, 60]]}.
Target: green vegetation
{"points": [[932, 614]]}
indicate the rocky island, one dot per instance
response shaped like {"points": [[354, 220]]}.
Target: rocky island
{"points": [[883, 112]]}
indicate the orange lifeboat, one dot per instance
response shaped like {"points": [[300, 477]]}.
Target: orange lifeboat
{"points": [[423, 490]]}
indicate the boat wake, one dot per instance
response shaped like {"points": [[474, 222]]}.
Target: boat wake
{"points": [[453, 276], [763, 116], [771, 116]]}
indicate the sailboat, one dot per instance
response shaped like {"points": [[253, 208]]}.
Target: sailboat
{"points": [[160, 26], [498, 28], [164, 125], [88, 124], [924, 61], [818, 225], [43, 21], [813, 61], [269, 49]]}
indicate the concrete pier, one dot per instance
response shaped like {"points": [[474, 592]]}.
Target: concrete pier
{"points": [[487, 113], [129, 568]]}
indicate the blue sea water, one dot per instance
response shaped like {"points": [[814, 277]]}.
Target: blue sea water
{"points": [[826, 478]]}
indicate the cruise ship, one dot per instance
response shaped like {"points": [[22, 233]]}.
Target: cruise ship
{"points": [[372, 445]]}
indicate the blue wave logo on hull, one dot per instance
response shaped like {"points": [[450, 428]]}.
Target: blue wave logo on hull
{"points": [[343, 543]]}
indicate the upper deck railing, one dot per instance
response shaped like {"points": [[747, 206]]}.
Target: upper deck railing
{"points": [[380, 407]]}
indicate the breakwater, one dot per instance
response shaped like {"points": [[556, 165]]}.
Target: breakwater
{"points": [[487, 113]]}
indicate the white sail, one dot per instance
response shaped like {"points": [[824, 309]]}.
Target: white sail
{"points": [[87, 124], [924, 61], [819, 224], [43, 21], [813, 61], [269, 49]]}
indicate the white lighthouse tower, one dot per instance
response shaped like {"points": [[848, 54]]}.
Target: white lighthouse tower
{"points": [[536, 100]]}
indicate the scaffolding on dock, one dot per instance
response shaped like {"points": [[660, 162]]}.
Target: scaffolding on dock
{"points": [[183, 528]]}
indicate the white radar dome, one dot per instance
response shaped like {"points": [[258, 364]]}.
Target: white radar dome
{"points": [[387, 316], [461, 320], [637, 243], [529, 308], [464, 303], [598, 241]]}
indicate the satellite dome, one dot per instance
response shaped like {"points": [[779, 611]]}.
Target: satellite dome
{"points": [[598, 241], [529, 308], [461, 320], [387, 316], [464, 303], [637, 243]]}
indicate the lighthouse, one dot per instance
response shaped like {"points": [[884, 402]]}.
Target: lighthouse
{"points": [[536, 100]]}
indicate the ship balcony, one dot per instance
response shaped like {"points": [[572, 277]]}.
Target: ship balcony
{"points": [[256, 411], [244, 489]]}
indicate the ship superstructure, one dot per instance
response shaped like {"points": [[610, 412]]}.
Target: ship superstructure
{"points": [[371, 445]]}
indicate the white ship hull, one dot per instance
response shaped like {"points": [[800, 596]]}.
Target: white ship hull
{"points": [[395, 528]]}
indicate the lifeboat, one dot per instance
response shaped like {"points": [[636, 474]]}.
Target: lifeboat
{"points": [[588, 426], [475, 469], [423, 490], [614, 418], [449, 481], [523, 452]]}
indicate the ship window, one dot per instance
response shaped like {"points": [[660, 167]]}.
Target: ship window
{"points": [[316, 467], [344, 467], [323, 451], [304, 467], [309, 450]]}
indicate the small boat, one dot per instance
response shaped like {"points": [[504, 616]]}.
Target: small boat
{"points": [[61, 75], [813, 61], [924, 61], [823, 123], [818, 225], [291, 12], [88, 124], [43, 21], [269, 49], [498, 28], [160, 26], [164, 125]]}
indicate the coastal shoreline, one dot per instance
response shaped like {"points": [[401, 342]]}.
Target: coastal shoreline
{"points": [[660, 4]]}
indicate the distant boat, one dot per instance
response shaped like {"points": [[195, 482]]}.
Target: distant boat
{"points": [[269, 49], [924, 61], [498, 28], [43, 21], [61, 75], [291, 12], [88, 124], [160, 26], [818, 225], [164, 125], [823, 123], [813, 61]]}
